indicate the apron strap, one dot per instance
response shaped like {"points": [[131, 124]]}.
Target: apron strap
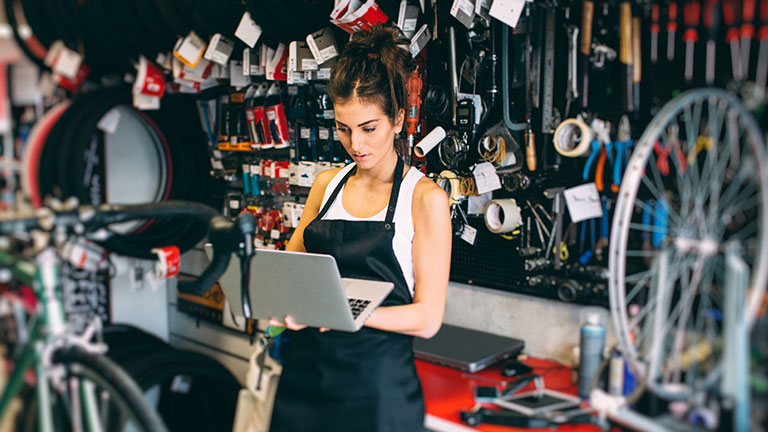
{"points": [[395, 190], [392, 195]]}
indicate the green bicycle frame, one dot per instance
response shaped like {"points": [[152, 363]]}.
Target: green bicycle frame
{"points": [[49, 322]]}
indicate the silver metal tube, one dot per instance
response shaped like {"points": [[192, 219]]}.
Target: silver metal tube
{"points": [[452, 66]]}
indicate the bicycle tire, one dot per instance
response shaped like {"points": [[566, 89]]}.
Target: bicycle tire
{"points": [[113, 380]]}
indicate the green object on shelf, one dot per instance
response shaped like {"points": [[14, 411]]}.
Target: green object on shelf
{"points": [[274, 331]]}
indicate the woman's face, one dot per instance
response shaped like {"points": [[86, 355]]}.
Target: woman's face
{"points": [[365, 131]]}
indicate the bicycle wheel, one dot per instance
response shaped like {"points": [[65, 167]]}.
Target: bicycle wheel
{"points": [[695, 184], [95, 395]]}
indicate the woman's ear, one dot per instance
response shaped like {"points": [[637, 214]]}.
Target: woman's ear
{"points": [[400, 120]]}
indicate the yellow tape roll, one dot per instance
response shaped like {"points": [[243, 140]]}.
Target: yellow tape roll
{"points": [[451, 185], [573, 138]]}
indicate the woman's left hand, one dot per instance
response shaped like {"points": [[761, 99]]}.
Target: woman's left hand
{"points": [[291, 324]]}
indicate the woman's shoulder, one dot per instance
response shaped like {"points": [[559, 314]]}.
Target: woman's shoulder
{"points": [[427, 194]]}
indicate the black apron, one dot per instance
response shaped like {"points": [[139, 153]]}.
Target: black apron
{"points": [[363, 381]]}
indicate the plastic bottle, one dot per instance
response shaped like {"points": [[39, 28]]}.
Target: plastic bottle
{"points": [[591, 345]]}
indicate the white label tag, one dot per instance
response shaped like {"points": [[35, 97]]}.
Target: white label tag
{"points": [[323, 133], [190, 49], [486, 178], [274, 234], [583, 202], [255, 169], [109, 121], [146, 103], [507, 11], [328, 114], [234, 204], [469, 234], [336, 135], [304, 133], [323, 74], [328, 53], [308, 64], [306, 174], [410, 24], [257, 70], [68, 63], [236, 77], [476, 204], [248, 31], [219, 49]]}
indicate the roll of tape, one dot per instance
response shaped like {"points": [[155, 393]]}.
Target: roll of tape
{"points": [[449, 181], [429, 142], [572, 138], [502, 215]]}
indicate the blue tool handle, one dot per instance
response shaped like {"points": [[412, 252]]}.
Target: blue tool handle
{"points": [[584, 259], [604, 219], [246, 183], [255, 189], [591, 159], [620, 148], [659, 223], [647, 219]]}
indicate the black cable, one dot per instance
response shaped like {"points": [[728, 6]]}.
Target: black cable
{"points": [[10, 15]]}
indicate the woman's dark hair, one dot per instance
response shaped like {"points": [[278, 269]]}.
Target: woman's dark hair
{"points": [[374, 65]]}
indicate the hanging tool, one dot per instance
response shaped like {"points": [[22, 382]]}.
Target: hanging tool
{"points": [[747, 33], [530, 139], [548, 118], [558, 209], [732, 38], [452, 66], [655, 30], [413, 87], [672, 144], [762, 57], [623, 148], [659, 223], [535, 53], [625, 55], [691, 16], [637, 63], [588, 253], [602, 241], [711, 19], [587, 16], [548, 82], [671, 30], [647, 245], [601, 131], [572, 89]]}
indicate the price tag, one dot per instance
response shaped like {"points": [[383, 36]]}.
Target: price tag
{"points": [[324, 74], [274, 234], [486, 178], [189, 50], [507, 11], [68, 63], [583, 202], [323, 133], [469, 234], [248, 31], [305, 132]]}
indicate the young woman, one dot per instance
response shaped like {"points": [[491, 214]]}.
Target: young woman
{"points": [[380, 220]]}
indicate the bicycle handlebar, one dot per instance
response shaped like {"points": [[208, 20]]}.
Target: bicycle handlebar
{"points": [[223, 233]]}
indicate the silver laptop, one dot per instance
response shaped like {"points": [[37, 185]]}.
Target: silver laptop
{"points": [[306, 286]]}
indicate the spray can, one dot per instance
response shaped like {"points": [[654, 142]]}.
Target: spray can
{"points": [[592, 343], [616, 373]]}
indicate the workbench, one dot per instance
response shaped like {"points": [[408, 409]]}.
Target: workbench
{"points": [[447, 391]]}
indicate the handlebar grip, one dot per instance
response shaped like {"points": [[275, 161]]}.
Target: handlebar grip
{"points": [[224, 236]]}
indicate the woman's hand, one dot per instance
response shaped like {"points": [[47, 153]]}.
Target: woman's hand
{"points": [[291, 324]]}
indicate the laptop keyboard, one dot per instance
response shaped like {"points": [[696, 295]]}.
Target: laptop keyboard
{"points": [[357, 305]]}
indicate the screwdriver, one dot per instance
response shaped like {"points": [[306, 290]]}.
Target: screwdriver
{"points": [[413, 87], [732, 38], [692, 13], [747, 33], [625, 54], [671, 30], [655, 29], [587, 14], [711, 20]]}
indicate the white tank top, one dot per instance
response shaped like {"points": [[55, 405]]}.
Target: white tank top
{"points": [[402, 243]]}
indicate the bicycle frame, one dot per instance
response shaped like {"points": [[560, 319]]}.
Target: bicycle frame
{"points": [[48, 324]]}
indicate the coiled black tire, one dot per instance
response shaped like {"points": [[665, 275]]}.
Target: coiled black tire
{"points": [[195, 391]]}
